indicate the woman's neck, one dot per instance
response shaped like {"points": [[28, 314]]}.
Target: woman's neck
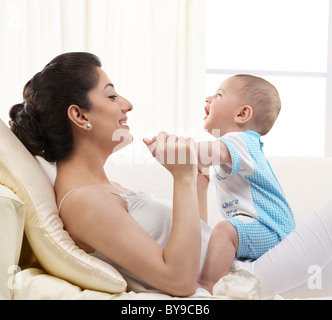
{"points": [[80, 169]]}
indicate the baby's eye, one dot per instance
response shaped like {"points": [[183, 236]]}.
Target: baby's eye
{"points": [[219, 94]]}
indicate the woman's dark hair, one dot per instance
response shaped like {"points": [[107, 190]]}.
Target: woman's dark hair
{"points": [[41, 121]]}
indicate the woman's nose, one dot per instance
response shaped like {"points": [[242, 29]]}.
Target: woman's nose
{"points": [[130, 107], [126, 105]]}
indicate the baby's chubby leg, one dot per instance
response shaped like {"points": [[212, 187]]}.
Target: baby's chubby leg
{"points": [[222, 248]]}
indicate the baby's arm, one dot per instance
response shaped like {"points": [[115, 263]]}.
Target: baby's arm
{"points": [[211, 153]]}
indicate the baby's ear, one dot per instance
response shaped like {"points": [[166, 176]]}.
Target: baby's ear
{"points": [[244, 114]]}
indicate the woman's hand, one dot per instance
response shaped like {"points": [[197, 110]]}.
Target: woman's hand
{"points": [[177, 154], [202, 190]]}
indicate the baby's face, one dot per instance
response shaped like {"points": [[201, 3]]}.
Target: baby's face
{"points": [[222, 107]]}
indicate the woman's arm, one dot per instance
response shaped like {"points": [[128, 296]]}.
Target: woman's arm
{"points": [[202, 190], [184, 246], [101, 221]]}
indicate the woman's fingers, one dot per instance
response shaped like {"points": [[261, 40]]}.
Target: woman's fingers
{"points": [[170, 149]]}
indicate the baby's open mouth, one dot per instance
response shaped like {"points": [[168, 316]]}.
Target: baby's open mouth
{"points": [[207, 111]]}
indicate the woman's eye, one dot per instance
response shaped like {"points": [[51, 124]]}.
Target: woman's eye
{"points": [[112, 97]]}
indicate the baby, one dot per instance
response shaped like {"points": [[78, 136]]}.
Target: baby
{"points": [[258, 217]]}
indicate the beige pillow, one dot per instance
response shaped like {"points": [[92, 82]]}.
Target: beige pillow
{"points": [[52, 245]]}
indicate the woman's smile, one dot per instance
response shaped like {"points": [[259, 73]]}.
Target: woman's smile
{"points": [[123, 123]]}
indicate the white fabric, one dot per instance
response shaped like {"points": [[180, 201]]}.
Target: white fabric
{"points": [[239, 283], [155, 217]]}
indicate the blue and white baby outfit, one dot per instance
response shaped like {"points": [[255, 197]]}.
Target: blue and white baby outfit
{"points": [[250, 196]]}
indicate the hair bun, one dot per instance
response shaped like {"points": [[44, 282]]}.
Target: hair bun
{"points": [[25, 126]]}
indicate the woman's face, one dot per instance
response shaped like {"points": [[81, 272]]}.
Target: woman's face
{"points": [[108, 115]]}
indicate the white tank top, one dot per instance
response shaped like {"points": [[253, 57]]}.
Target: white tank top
{"points": [[155, 217]]}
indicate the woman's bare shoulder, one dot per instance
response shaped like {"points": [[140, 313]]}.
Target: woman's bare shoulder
{"points": [[90, 203], [92, 196], [87, 209]]}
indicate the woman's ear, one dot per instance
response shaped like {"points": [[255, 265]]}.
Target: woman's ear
{"points": [[244, 114], [77, 116]]}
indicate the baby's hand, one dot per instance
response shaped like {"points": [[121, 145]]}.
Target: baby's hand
{"points": [[151, 144]]}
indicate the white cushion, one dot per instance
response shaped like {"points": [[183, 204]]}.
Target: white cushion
{"points": [[55, 250], [11, 234], [306, 182]]}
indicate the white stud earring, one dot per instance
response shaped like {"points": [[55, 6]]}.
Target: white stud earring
{"points": [[89, 125]]}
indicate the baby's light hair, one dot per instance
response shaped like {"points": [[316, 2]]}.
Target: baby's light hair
{"points": [[264, 99]]}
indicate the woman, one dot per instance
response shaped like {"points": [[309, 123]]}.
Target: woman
{"points": [[72, 116]]}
